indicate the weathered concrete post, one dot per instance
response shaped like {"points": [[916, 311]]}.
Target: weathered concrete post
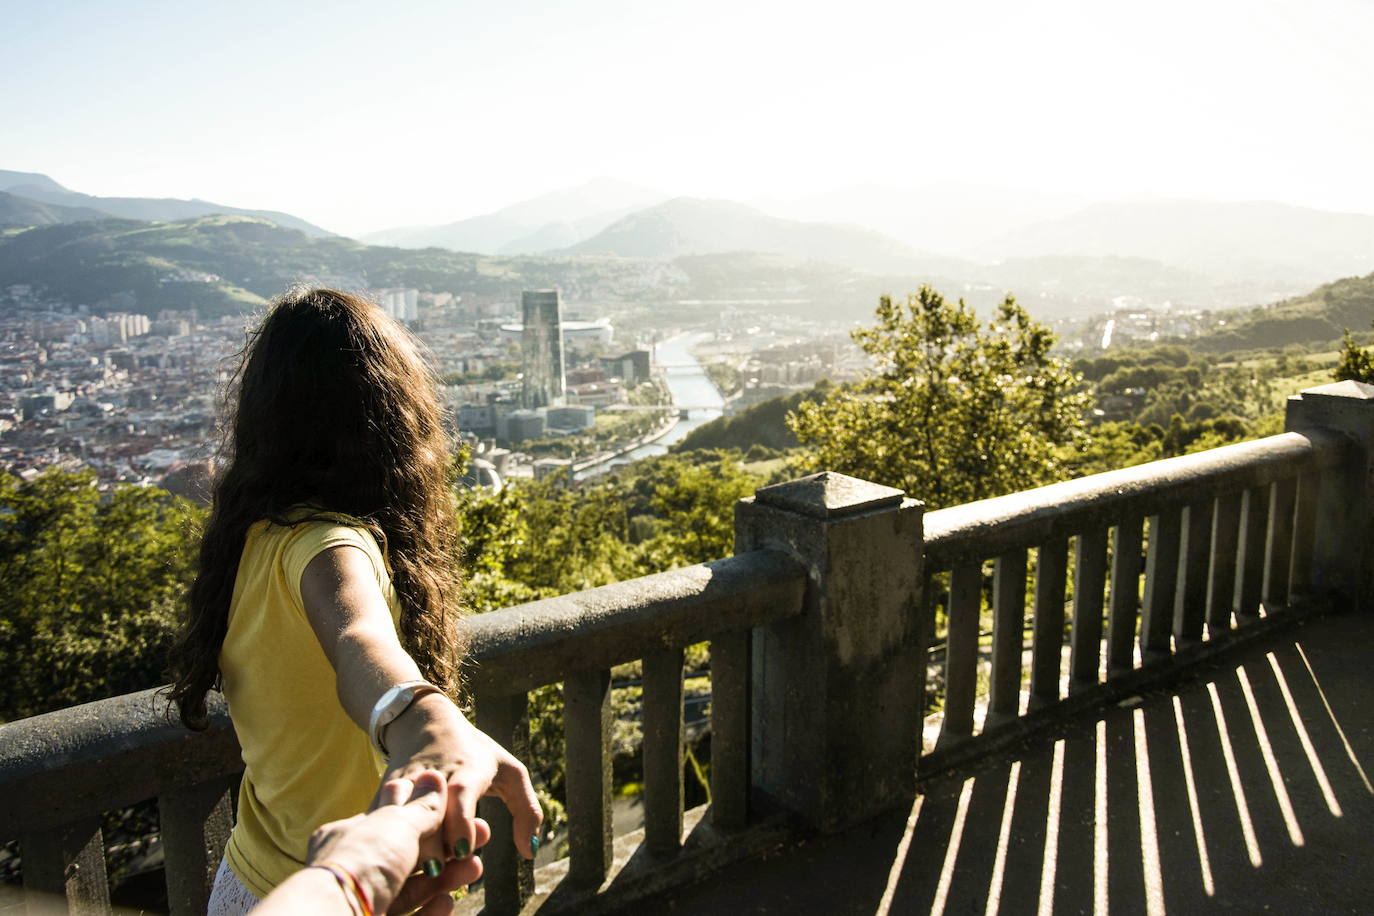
{"points": [[1343, 554], [838, 691]]}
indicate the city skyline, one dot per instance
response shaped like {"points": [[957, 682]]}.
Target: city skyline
{"points": [[443, 112]]}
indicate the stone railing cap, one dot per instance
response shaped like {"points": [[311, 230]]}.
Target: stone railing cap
{"points": [[829, 495], [1346, 389]]}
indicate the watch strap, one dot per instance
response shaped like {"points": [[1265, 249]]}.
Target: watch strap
{"points": [[390, 705]]}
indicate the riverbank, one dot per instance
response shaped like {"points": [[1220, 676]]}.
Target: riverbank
{"points": [[689, 388], [600, 463]]}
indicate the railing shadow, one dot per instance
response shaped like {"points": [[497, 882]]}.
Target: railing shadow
{"points": [[1246, 790]]}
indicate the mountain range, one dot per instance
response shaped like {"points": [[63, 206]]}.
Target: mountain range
{"points": [[1233, 251], [688, 225], [950, 218], [1071, 258], [18, 212], [1259, 240], [555, 220], [38, 188]]}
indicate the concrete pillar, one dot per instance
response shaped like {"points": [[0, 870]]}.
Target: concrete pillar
{"points": [[1343, 554], [838, 691]]}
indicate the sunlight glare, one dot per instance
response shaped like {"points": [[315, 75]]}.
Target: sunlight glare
{"points": [[1100, 825], [1149, 833], [894, 874]]}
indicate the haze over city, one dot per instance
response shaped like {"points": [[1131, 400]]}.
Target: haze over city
{"points": [[360, 119]]}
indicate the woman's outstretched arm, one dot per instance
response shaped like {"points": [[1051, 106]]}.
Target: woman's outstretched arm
{"points": [[350, 618]]}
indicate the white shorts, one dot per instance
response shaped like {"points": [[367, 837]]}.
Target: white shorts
{"points": [[229, 897]]}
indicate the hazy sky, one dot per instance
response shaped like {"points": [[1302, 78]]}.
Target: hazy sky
{"points": [[363, 115]]}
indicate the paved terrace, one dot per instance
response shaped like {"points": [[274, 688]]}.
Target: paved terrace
{"points": [[1245, 788]]}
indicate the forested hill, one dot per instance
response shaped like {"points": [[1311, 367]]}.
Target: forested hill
{"points": [[226, 264], [223, 264], [763, 424], [38, 188], [1318, 317], [18, 212]]}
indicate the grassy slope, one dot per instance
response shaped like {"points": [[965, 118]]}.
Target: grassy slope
{"points": [[1320, 316]]}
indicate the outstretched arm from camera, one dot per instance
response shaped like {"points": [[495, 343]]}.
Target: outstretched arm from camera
{"points": [[377, 856], [353, 624]]}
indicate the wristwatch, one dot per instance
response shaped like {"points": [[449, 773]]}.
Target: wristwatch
{"points": [[392, 703]]}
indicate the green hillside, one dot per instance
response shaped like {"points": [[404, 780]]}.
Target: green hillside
{"points": [[20, 212], [1319, 317], [222, 263], [764, 423]]}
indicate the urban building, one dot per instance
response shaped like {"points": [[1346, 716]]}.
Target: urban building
{"points": [[541, 339], [631, 368], [597, 394], [401, 304], [584, 374], [575, 333], [520, 425], [553, 467], [475, 417], [571, 418]]}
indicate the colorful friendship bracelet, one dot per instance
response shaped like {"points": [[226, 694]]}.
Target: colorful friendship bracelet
{"points": [[352, 887]]}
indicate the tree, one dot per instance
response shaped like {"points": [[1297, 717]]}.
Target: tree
{"points": [[953, 410], [697, 507], [91, 584], [1356, 362]]}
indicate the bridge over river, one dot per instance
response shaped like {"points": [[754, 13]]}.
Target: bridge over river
{"points": [[692, 390]]}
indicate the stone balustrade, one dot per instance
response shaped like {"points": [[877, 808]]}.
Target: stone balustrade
{"points": [[820, 630]]}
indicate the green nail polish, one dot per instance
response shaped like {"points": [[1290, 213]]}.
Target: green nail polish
{"points": [[462, 849], [432, 867], [534, 845]]}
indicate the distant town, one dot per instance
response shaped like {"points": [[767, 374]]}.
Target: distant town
{"points": [[532, 389]]}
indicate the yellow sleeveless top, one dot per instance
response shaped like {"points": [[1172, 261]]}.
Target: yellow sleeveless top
{"points": [[305, 761]]}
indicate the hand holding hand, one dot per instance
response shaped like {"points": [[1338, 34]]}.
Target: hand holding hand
{"points": [[402, 833], [434, 735]]}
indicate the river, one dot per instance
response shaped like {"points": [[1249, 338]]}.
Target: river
{"points": [[691, 387]]}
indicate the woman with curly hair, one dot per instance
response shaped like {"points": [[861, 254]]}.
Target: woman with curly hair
{"points": [[325, 603]]}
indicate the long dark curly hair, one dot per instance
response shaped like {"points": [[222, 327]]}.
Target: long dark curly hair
{"points": [[332, 407]]}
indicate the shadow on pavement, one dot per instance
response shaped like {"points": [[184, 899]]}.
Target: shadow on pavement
{"points": [[1245, 790]]}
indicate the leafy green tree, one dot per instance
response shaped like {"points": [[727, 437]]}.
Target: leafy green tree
{"points": [[954, 410], [1356, 362], [536, 539], [1112, 445], [91, 583], [697, 511]]}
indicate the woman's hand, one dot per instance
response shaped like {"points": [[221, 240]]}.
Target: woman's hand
{"points": [[383, 849], [432, 734]]}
